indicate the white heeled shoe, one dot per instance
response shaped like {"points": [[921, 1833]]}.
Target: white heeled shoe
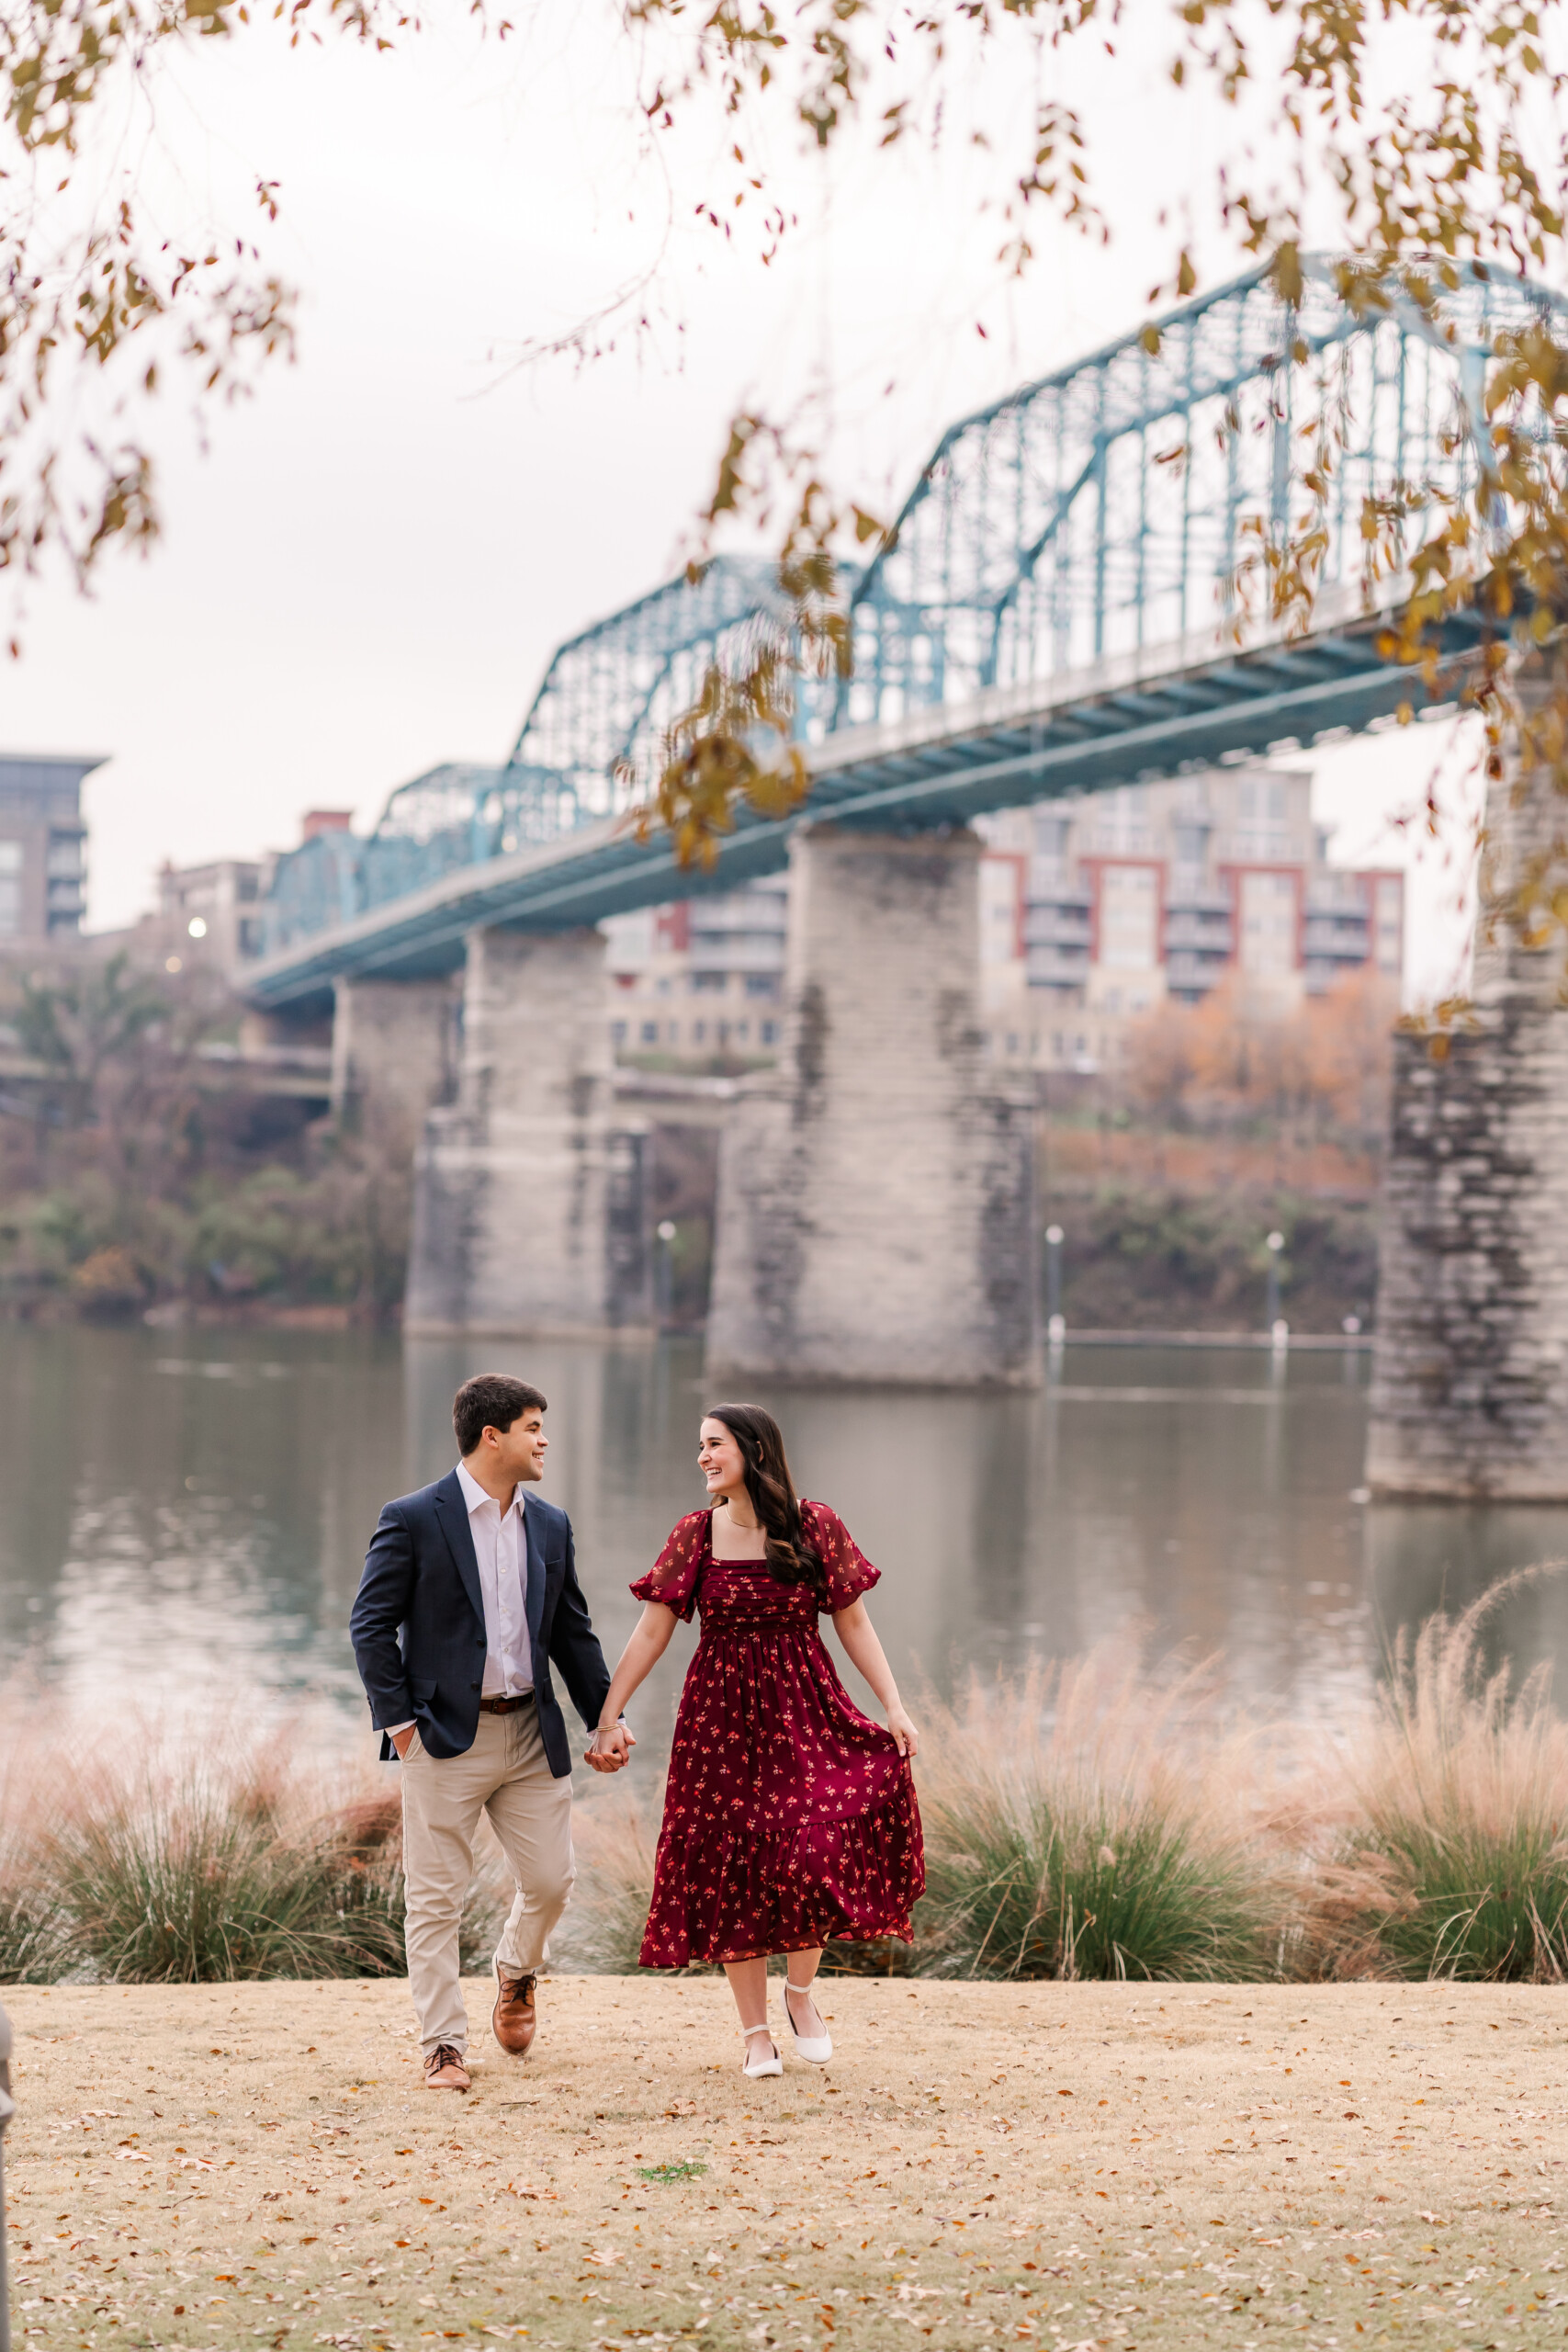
{"points": [[757, 2067], [816, 2047]]}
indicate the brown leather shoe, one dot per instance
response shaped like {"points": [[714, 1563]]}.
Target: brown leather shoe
{"points": [[514, 2017], [445, 2070]]}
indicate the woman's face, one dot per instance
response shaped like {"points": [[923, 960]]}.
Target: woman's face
{"points": [[720, 1460]]}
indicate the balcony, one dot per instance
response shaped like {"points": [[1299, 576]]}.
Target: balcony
{"points": [[743, 911], [736, 952], [1048, 887], [1192, 895], [1056, 927], [1201, 933], [1057, 967], [1342, 895], [1346, 940], [1189, 974]]}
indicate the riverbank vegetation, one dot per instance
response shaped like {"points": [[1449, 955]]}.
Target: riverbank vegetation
{"points": [[1091, 1820], [142, 1172]]}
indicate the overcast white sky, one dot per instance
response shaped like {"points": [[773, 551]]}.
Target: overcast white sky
{"points": [[365, 568]]}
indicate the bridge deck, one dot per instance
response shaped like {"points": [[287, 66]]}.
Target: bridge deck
{"points": [[1155, 712]]}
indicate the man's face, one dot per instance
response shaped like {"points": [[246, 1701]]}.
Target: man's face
{"points": [[520, 1450]]}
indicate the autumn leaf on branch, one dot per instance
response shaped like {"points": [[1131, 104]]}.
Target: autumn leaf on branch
{"points": [[739, 741], [101, 311]]}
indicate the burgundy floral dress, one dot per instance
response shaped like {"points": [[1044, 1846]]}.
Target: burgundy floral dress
{"points": [[789, 1818]]}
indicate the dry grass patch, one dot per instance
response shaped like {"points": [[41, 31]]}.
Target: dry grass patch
{"points": [[1157, 2166]]}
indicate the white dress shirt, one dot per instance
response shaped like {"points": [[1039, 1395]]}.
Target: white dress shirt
{"points": [[501, 1547]]}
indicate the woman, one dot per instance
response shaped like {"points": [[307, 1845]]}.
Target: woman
{"points": [[788, 1817]]}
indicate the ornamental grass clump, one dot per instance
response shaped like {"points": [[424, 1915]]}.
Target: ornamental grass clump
{"points": [[1453, 1859], [1081, 1823], [202, 1875], [177, 1857], [35, 1946]]}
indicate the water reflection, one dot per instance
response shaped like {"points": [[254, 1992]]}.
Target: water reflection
{"points": [[185, 1516]]}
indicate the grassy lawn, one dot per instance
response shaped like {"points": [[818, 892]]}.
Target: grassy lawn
{"points": [[1067, 2166]]}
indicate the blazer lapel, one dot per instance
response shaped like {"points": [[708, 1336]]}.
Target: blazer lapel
{"points": [[452, 1519], [534, 1599]]}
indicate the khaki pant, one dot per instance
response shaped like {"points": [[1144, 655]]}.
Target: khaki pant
{"points": [[507, 1775]]}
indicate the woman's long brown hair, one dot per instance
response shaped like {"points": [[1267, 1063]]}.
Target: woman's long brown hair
{"points": [[790, 1558]]}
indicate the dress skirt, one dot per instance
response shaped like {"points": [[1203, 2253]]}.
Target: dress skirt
{"points": [[790, 1818]]}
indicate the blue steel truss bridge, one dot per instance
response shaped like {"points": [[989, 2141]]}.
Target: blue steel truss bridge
{"points": [[1055, 613]]}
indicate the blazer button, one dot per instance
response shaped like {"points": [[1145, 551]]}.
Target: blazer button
{"points": [[473, 1685]]}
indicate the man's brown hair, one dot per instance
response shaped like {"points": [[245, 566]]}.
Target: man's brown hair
{"points": [[491, 1400]]}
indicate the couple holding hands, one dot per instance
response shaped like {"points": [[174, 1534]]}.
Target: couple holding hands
{"points": [[789, 1818]]}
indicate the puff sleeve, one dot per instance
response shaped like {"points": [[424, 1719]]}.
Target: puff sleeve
{"points": [[672, 1579], [848, 1571]]}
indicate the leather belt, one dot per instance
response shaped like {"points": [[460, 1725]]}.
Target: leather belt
{"points": [[506, 1706]]}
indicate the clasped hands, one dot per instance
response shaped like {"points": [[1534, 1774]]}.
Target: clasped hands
{"points": [[610, 1748]]}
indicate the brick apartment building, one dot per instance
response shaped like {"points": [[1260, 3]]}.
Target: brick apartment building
{"points": [[702, 979], [1097, 908]]}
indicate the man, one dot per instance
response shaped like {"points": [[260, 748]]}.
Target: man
{"points": [[466, 1602]]}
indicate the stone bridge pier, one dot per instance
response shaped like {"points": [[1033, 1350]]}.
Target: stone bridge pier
{"points": [[530, 1212], [875, 1217], [1469, 1379], [394, 1058]]}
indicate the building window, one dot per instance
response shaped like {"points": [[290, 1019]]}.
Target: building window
{"points": [[651, 1033], [708, 983], [769, 1032], [617, 1032], [761, 984], [699, 1031]]}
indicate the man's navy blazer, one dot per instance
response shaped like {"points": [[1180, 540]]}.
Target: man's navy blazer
{"points": [[418, 1624]]}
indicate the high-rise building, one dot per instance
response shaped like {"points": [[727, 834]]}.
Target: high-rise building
{"points": [[701, 978], [43, 844], [1098, 908]]}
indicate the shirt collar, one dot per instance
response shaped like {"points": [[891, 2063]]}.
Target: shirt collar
{"points": [[474, 1495]]}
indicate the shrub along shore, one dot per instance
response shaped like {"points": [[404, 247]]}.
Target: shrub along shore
{"points": [[1092, 1820]]}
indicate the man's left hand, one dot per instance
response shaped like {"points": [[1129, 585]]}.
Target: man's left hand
{"points": [[610, 1749]]}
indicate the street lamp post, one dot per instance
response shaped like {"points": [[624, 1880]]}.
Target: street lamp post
{"points": [[664, 1275], [1055, 1324], [1279, 1330]]}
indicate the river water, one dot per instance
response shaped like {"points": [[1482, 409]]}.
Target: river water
{"points": [[183, 1515]]}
